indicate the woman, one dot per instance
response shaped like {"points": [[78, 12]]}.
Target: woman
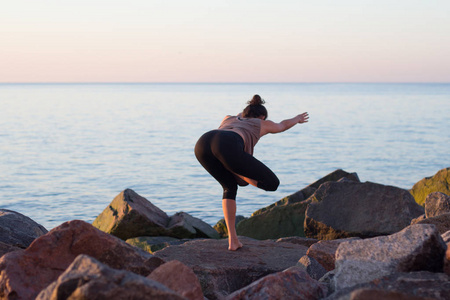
{"points": [[227, 154]]}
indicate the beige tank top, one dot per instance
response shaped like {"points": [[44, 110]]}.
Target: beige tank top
{"points": [[248, 129]]}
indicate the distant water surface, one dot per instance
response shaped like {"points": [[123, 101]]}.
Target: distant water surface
{"points": [[66, 150]]}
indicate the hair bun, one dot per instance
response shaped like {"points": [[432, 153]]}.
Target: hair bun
{"points": [[256, 100]]}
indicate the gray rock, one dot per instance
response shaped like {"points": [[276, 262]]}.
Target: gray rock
{"points": [[292, 283], [437, 203], [352, 209], [399, 286], [193, 227], [442, 222], [312, 267], [130, 215], [17, 230], [87, 278], [416, 248], [222, 272], [325, 251]]}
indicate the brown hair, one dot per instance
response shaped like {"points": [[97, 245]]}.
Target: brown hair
{"points": [[255, 108]]}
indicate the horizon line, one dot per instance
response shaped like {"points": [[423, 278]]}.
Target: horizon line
{"points": [[226, 82]]}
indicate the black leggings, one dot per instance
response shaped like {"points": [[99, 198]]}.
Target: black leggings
{"points": [[221, 153]]}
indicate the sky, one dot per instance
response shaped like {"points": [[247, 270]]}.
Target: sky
{"points": [[224, 41]]}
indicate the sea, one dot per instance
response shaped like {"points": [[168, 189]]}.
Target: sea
{"points": [[66, 150]]}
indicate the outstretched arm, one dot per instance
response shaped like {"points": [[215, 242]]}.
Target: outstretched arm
{"points": [[268, 126]]}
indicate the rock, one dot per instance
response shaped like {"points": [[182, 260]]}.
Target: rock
{"points": [[5, 248], [221, 226], [352, 209], [440, 182], [399, 286], [87, 278], [307, 192], [307, 242], [437, 203], [276, 222], [312, 267], [24, 273], [324, 252], [155, 243], [130, 215], [442, 222], [292, 283], [17, 230], [179, 278], [184, 225], [416, 248], [222, 272]]}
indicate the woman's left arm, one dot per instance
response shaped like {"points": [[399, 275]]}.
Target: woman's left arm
{"points": [[268, 126]]}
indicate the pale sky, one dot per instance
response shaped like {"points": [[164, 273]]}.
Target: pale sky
{"points": [[225, 41]]}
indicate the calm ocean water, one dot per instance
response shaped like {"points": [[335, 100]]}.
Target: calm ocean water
{"points": [[66, 150]]}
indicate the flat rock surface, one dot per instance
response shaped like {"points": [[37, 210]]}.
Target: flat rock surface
{"points": [[222, 272]]}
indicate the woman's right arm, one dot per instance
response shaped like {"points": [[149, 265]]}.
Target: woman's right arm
{"points": [[268, 126]]}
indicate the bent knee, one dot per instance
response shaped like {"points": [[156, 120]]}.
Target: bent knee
{"points": [[270, 186]]}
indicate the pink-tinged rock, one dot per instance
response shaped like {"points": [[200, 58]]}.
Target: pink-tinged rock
{"points": [[293, 283], [324, 252], [416, 248], [222, 272], [179, 278], [24, 273], [87, 278]]}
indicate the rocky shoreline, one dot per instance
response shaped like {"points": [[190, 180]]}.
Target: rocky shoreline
{"points": [[337, 238]]}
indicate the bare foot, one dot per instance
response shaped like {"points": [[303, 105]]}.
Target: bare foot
{"points": [[235, 246]]}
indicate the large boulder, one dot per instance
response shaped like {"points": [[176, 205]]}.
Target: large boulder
{"points": [[420, 285], [437, 203], [308, 191], [180, 278], [293, 283], [351, 209], [439, 182], [222, 272], [130, 215], [24, 273], [285, 217], [87, 278], [276, 222], [416, 248], [17, 230]]}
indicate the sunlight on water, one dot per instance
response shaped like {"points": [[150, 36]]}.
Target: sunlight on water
{"points": [[68, 149]]}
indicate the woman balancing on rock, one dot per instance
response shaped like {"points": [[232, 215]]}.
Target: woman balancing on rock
{"points": [[227, 154]]}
